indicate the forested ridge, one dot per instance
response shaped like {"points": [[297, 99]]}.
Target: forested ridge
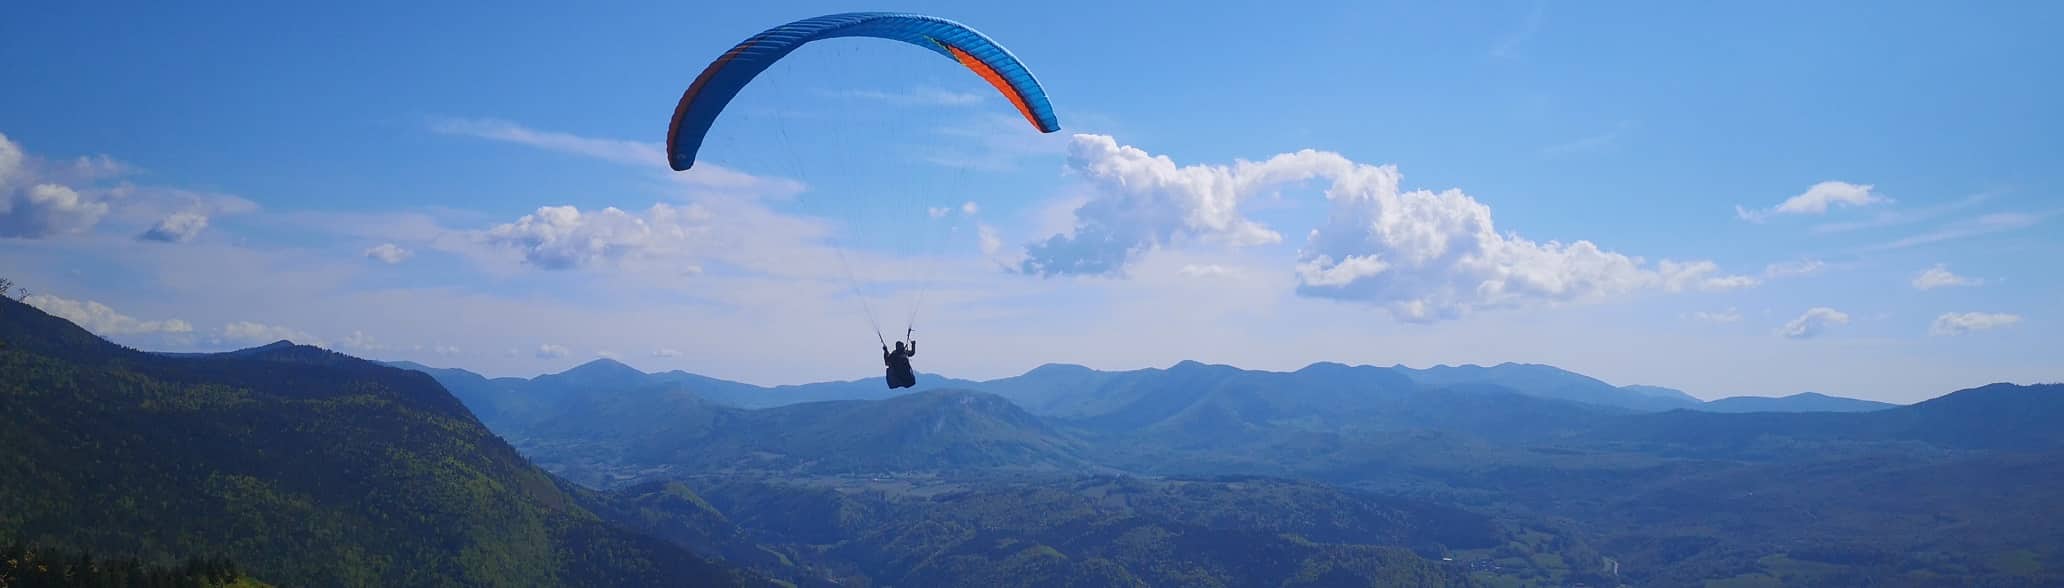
{"points": [[303, 466], [293, 465]]}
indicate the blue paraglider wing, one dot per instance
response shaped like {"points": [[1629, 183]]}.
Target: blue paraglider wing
{"points": [[735, 68]]}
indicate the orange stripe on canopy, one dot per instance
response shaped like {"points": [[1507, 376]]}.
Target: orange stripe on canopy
{"points": [[687, 97], [989, 73]]}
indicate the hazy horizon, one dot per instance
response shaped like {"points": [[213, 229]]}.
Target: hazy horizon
{"points": [[576, 364]]}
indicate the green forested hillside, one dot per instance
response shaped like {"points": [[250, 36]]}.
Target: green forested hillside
{"points": [[311, 468], [1952, 490], [1124, 531], [304, 466], [22, 567], [628, 436]]}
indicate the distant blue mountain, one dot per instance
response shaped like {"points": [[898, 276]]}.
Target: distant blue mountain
{"points": [[1193, 391], [1672, 394], [1996, 416], [1547, 381], [1801, 402]]}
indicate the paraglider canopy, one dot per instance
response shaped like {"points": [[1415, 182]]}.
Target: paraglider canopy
{"points": [[730, 72]]}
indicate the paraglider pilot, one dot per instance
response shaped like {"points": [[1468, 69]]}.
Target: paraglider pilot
{"points": [[898, 361]]}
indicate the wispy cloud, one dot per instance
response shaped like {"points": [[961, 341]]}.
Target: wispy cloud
{"points": [[634, 153], [1789, 269], [991, 143], [1892, 218], [990, 242], [1958, 323], [1973, 227], [619, 151], [1816, 321], [1208, 270], [1940, 277], [254, 332], [1509, 45], [921, 96], [1817, 199], [360, 341], [1591, 143], [1721, 317]]}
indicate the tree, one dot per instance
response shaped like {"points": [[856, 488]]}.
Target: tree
{"points": [[5, 284]]}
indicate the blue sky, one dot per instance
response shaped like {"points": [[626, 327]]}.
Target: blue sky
{"points": [[1757, 198]]}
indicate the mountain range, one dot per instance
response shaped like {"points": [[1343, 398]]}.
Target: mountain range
{"points": [[1669, 496], [1072, 390], [308, 467]]}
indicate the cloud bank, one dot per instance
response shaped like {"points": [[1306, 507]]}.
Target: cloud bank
{"points": [[1422, 255], [102, 320]]}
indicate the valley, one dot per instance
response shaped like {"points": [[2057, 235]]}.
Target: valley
{"points": [[1191, 475], [1638, 491]]}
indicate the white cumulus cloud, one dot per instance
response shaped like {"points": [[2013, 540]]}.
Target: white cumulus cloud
{"points": [[1815, 321], [550, 351], [11, 158], [1940, 277], [102, 320], [1817, 200], [970, 208], [1428, 256], [42, 197], [34, 210], [180, 227], [48, 210], [1421, 254], [388, 253], [1144, 201], [563, 237], [1958, 323]]}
